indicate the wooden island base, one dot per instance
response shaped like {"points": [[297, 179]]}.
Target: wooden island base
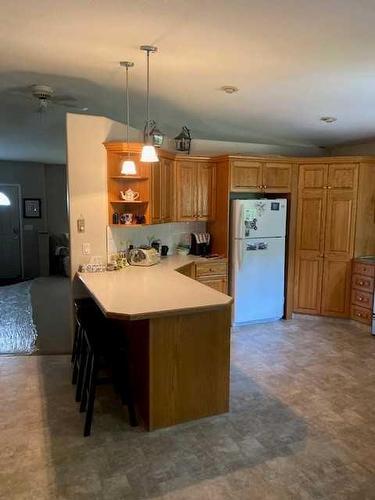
{"points": [[179, 366]]}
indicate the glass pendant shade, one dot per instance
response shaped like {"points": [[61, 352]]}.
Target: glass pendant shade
{"points": [[128, 167], [149, 154]]}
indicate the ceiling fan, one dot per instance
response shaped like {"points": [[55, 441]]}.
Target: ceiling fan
{"points": [[45, 96]]}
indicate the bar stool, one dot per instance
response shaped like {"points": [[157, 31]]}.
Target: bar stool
{"points": [[100, 349], [82, 308]]}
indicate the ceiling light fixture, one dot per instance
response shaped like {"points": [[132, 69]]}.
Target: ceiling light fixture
{"points": [[229, 89], [328, 119], [128, 166], [148, 151]]}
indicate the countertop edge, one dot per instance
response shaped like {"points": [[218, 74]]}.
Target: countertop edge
{"points": [[163, 312]]}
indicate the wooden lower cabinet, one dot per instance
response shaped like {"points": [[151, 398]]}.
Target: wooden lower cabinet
{"points": [[322, 286], [336, 288], [362, 295], [308, 281], [179, 366], [220, 283]]}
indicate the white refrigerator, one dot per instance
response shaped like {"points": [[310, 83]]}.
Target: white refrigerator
{"points": [[258, 259]]}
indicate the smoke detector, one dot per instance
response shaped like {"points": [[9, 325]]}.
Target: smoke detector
{"points": [[229, 89], [328, 119]]}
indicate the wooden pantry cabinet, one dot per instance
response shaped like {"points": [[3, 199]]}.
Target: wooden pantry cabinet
{"points": [[194, 188], [330, 217], [261, 176]]}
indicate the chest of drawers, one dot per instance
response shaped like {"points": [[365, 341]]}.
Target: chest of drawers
{"points": [[362, 294]]}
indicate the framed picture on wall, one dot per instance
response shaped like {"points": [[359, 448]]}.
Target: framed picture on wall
{"points": [[32, 208]]}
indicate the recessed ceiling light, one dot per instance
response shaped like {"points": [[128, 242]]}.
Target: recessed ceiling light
{"points": [[229, 89], [328, 119]]}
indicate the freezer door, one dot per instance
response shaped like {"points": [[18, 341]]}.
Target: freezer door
{"points": [[257, 283], [264, 218]]}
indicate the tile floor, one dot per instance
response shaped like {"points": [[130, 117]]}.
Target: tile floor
{"points": [[301, 426]]}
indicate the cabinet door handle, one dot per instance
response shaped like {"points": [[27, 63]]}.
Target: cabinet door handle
{"points": [[264, 187], [324, 187], [359, 315], [329, 187]]}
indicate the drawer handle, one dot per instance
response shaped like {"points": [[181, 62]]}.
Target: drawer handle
{"points": [[359, 315], [361, 282], [360, 299]]}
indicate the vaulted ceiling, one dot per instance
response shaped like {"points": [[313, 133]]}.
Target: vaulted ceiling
{"points": [[293, 61]]}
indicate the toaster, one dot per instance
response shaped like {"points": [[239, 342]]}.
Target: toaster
{"points": [[143, 256]]}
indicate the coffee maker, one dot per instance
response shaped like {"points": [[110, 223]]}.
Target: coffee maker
{"points": [[200, 244]]}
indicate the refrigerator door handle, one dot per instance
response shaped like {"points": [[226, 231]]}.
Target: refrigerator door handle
{"points": [[239, 229], [239, 253]]}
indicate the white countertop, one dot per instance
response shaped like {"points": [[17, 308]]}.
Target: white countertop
{"points": [[145, 292]]}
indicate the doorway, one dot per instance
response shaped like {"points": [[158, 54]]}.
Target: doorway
{"points": [[11, 262]]}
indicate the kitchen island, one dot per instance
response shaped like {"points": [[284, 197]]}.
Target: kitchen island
{"points": [[177, 332]]}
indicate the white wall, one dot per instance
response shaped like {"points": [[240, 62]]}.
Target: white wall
{"points": [[87, 181]]}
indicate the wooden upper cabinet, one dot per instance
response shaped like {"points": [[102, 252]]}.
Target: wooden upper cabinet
{"points": [[194, 190], [255, 176], [162, 191], [312, 176], [205, 180], [277, 177], [186, 190], [156, 193], [246, 175], [343, 176], [167, 192]]}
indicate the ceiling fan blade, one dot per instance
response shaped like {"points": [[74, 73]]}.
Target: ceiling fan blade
{"points": [[64, 98], [69, 105], [20, 92]]}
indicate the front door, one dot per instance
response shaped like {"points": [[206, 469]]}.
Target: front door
{"points": [[10, 241]]}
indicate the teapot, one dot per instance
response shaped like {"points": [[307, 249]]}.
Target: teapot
{"points": [[129, 195]]}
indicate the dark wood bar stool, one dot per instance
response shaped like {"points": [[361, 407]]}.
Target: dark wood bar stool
{"points": [[100, 348], [82, 307]]}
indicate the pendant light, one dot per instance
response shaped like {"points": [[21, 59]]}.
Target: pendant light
{"points": [[148, 151], [128, 166]]}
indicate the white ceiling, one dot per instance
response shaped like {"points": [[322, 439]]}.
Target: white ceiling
{"points": [[293, 60]]}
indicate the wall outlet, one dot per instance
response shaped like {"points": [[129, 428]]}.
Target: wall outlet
{"points": [[86, 248]]}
